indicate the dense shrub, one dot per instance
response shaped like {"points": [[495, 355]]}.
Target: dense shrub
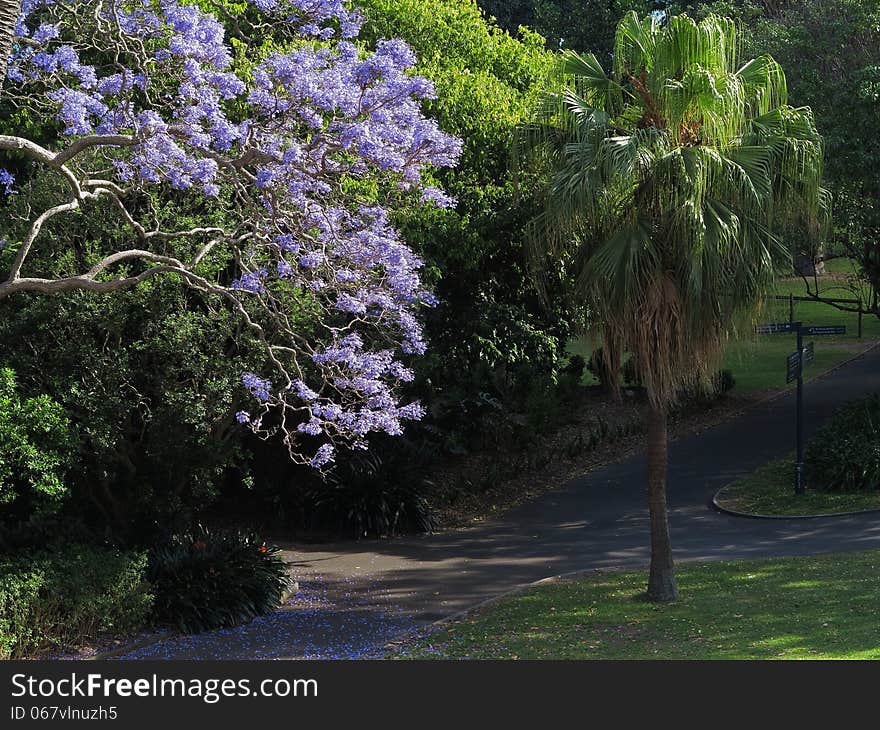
{"points": [[56, 600], [845, 453], [489, 333], [699, 395], [35, 445], [209, 578], [575, 367], [151, 380], [381, 492]]}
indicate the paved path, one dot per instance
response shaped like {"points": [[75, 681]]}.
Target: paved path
{"points": [[357, 596]]}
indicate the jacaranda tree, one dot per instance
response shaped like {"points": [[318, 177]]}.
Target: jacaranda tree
{"points": [[292, 153], [669, 182]]}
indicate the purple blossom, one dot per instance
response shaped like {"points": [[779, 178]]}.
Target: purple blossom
{"points": [[7, 180], [312, 427], [287, 138], [258, 387], [323, 456], [437, 197], [303, 391], [46, 32], [252, 281]]}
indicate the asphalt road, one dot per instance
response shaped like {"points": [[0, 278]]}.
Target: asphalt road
{"points": [[357, 596]]}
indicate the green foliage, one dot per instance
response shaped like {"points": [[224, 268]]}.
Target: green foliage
{"points": [[669, 184], [206, 579], [57, 600], [844, 455], [830, 51], [151, 379], [36, 442], [575, 368], [582, 25], [378, 493], [489, 322], [603, 371], [611, 375]]}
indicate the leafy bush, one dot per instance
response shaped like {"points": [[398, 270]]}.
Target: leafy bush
{"points": [[489, 333], [575, 367], [606, 375], [35, 444], [205, 579], [56, 600], [844, 454], [381, 492], [701, 395], [150, 379]]}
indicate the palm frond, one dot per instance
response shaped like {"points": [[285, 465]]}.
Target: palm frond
{"points": [[669, 185]]}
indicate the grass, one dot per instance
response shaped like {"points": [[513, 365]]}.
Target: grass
{"points": [[792, 608], [758, 361], [770, 491]]}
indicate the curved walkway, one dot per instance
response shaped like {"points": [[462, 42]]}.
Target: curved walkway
{"points": [[356, 597]]}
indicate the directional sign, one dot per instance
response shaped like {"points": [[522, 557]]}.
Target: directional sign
{"points": [[808, 352], [825, 329], [777, 327], [793, 366]]}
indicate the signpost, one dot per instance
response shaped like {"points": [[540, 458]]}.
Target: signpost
{"points": [[799, 486], [808, 352], [826, 329], [794, 370], [793, 366], [777, 328]]}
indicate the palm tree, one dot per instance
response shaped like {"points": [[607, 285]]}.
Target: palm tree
{"points": [[9, 12], [669, 182]]}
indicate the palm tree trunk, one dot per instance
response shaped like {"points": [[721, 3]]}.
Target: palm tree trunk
{"points": [[9, 12], [661, 581]]}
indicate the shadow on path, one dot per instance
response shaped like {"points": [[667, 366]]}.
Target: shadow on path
{"points": [[357, 596]]}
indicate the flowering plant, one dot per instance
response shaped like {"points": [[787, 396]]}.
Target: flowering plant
{"points": [[296, 152]]}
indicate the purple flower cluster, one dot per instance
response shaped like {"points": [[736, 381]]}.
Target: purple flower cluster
{"points": [[7, 180], [258, 387], [283, 143]]}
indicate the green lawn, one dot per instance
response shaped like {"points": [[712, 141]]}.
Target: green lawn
{"points": [[794, 608], [770, 491], [840, 266], [758, 361]]}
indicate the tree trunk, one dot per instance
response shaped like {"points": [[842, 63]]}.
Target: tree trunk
{"points": [[661, 581], [9, 12]]}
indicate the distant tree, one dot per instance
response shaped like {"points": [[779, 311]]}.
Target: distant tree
{"points": [[580, 25], [669, 180], [292, 161], [831, 51]]}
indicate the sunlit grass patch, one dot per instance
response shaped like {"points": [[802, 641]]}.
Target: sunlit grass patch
{"points": [[792, 608]]}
